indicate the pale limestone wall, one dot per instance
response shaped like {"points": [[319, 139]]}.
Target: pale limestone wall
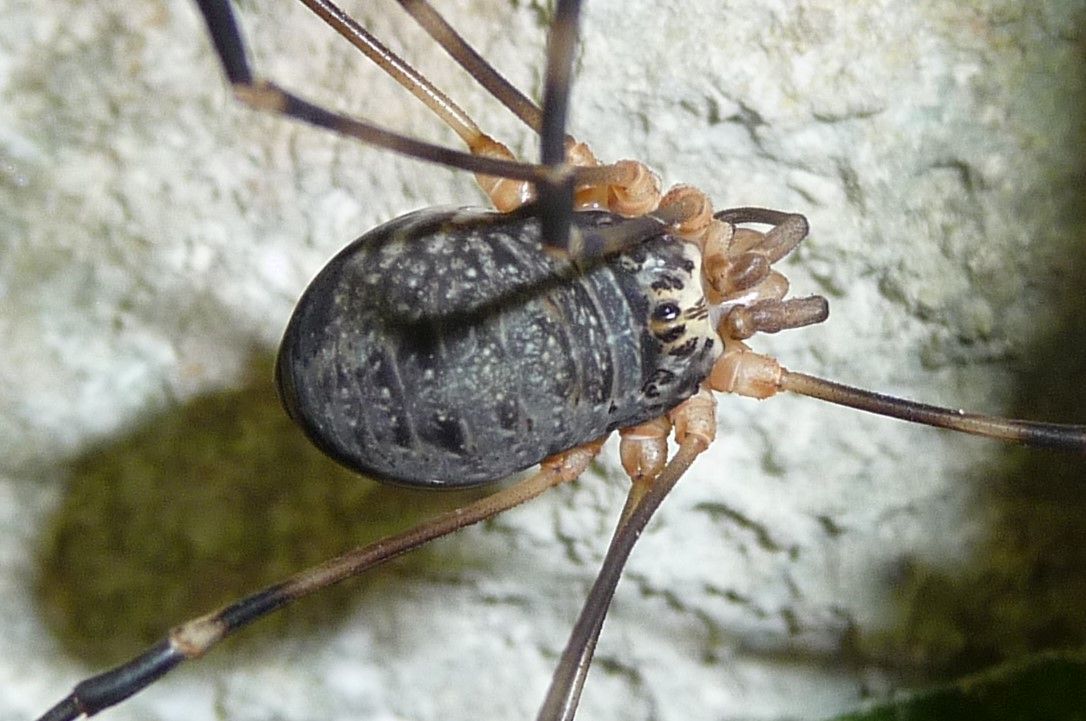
{"points": [[153, 233]]}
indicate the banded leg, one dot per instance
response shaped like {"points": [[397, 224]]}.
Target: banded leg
{"points": [[194, 638]]}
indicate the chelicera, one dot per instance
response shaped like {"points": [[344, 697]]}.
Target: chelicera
{"points": [[413, 354]]}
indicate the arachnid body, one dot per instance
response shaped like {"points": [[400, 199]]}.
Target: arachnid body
{"points": [[575, 354], [752, 531]]}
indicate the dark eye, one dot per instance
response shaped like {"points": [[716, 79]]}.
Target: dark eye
{"points": [[666, 312]]}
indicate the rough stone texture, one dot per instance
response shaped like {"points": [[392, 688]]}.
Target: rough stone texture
{"points": [[154, 234]]}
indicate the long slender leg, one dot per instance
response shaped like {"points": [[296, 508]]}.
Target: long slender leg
{"points": [[397, 68], [1052, 436], [695, 428], [630, 187], [556, 200], [742, 371], [264, 95], [504, 193], [508, 183], [196, 637], [466, 56], [627, 188]]}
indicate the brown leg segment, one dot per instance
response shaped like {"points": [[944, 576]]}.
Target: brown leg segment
{"points": [[194, 638], [695, 427]]}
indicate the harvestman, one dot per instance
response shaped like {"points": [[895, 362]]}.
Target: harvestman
{"points": [[747, 297]]}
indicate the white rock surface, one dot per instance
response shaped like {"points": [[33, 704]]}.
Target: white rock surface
{"points": [[153, 231]]}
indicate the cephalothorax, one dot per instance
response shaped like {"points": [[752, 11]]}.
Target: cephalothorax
{"points": [[453, 347]]}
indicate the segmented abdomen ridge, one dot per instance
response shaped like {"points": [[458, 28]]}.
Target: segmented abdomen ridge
{"points": [[499, 358]]}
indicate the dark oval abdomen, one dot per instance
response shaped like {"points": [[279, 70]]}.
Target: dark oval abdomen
{"points": [[446, 348]]}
